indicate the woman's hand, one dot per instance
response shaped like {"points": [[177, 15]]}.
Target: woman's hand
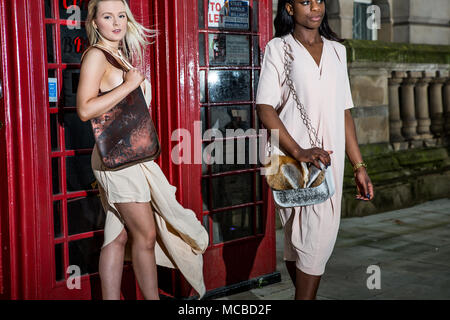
{"points": [[134, 78], [271, 121], [93, 68], [313, 156], [363, 184]]}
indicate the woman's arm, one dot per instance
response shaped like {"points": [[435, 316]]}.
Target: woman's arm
{"points": [[89, 104], [271, 121], [362, 179]]}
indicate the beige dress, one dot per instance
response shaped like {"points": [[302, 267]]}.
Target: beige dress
{"points": [[181, 238], [324, 90]]}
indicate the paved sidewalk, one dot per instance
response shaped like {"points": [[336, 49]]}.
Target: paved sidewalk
{"points": [[411, 246]]}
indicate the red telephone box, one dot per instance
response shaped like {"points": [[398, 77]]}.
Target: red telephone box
{"points": [[204, 66]]}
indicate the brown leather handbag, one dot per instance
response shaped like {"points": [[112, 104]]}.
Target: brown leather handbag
{"points": [[125, 134]]}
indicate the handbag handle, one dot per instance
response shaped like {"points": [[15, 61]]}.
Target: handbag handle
{"points": [[119, 58], [312, 132]]}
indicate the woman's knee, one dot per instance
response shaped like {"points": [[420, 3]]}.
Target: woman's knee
{"points": [[145, 241], [138, 217], [122, 238]]}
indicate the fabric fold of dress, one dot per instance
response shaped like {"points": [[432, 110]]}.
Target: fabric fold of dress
{"points": [[181, 238]]}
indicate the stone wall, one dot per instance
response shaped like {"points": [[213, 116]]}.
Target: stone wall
{"points": [[417, 21], [401, 179], [402, 116]]}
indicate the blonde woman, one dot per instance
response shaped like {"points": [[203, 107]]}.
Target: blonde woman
{"points": [[139, 202]]}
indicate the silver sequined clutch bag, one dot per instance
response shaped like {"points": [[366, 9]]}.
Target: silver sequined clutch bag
{"points": [[306, 196]]}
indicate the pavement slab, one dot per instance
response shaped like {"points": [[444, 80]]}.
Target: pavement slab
{"points": [[411, 248]]}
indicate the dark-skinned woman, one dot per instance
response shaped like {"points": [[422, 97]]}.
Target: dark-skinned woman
{"points": [[318, 70]]}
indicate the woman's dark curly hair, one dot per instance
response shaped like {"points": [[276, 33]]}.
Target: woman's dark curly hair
{"points": [[284, 23]]}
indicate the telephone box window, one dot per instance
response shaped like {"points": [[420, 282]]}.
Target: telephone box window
{"points": [[229, 64]]}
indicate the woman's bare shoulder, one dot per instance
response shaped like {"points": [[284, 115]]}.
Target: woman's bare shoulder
{"points": [[94, 59], [93, 67]]}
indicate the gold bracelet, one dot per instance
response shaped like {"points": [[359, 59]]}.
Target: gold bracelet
{"points": [[359, 165]]}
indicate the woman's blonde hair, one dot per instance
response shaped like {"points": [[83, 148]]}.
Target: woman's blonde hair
{"points": [[135, 40]]}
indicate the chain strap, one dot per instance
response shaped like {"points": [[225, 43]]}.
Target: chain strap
{"points": [[313, 136]]}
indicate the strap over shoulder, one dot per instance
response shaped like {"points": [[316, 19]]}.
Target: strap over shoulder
{"points": [[115, 60]]}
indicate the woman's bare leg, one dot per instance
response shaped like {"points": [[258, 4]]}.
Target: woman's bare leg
{"points": [[141, 226], [290, 266], [306, 286], [111, 266]]}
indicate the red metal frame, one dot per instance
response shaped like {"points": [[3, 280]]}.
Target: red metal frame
{"points": [[24, 88], [4, 190], [221, 266], [176, 99]]}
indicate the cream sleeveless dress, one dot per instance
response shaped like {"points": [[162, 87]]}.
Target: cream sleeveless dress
{"points": [[181, 238]]}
